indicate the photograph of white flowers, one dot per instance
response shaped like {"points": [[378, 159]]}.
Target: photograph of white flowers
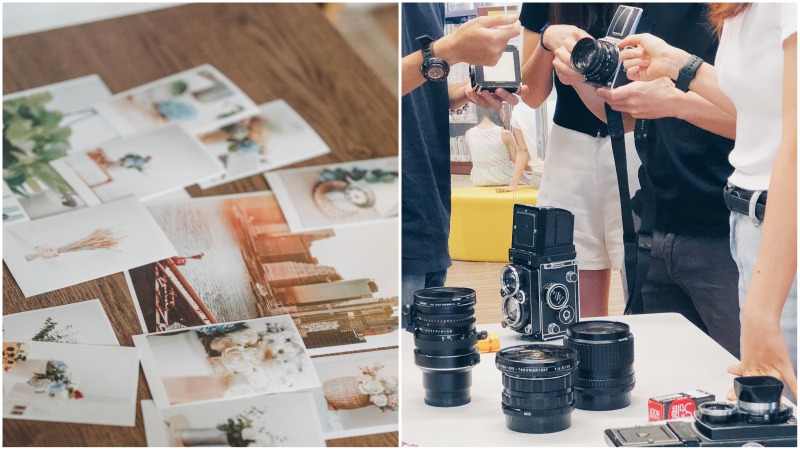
{"points": [[276, 420], [76, 323], [143, 165], [44, 124], [59, 251], [237, 260], [221, 361], [359, 393], [197, 99], [324, 196], [276, 137], [74, 383]]}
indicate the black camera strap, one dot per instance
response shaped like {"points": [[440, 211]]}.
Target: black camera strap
{"points": [[637, 251]]}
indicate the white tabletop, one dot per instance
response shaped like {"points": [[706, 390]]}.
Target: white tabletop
{"points": [[671, 355]]}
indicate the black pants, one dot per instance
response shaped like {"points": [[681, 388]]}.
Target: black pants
{"points": [[696, 277]]}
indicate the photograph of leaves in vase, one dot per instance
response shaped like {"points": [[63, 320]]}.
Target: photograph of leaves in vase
{"points": [[249, 428], [53, 379], [239, 261], [33, 136]]}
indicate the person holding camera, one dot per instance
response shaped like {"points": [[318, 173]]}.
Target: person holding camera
{"points": [[427, 97], [578, 173], [684, 221], [755, 80]]}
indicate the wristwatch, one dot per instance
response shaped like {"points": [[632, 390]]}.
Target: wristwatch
{"points": [[433, 68], [687, 73]]}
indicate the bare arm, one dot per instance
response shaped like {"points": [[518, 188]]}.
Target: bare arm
{"points": [[509, 143], [537, 69], [764, 349], [520, 163]]}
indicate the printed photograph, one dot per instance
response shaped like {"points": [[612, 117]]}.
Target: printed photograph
{"points": [[75, 383], [42, 125], [77, 323], [12, 210], [277, 420], [276, 137], [324, 196], [144, 166], [237, 260], [215, 362], [359, 393], [197, 99], [56, 252]]}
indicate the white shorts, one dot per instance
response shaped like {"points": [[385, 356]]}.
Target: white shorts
{"points": [[579, 176]]}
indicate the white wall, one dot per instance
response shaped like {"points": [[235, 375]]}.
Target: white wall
{"points": [[24, 18]]}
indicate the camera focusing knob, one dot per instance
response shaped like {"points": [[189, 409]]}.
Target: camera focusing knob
{"points": [[553, 328], [528, 329], [572, 276]]}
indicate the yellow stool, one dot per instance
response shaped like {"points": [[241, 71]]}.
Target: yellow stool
{"points": [[481, 219]]}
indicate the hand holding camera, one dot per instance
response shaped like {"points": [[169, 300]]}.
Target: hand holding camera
{"points": [[480, 41], [651, 58]]}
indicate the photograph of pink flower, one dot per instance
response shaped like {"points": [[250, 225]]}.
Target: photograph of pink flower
{"points": [[276, 137], [231, 360], [323, 196], [277, 420], [195, 99], [75, 383], [359, 393]]}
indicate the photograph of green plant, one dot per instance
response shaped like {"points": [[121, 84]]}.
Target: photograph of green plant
{"points": [[34, 135]]}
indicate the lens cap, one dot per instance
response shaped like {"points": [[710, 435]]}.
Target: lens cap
{"points": [[759, 390], [598, 330], [536, 360]]}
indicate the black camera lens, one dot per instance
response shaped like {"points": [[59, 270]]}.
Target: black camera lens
{"points": [[596, 60], [537, 387], [445, 337], [758, 395], [605, 376]]}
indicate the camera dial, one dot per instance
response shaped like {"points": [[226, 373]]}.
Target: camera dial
{"points": [[557, 295]]}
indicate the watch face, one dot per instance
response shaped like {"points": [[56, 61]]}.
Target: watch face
{"points": [[436, 72]]}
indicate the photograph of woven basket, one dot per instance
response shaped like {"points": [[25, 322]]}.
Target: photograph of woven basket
{"points": [[343, 393]]}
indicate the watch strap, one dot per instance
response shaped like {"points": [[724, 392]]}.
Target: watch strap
{"points": [[687, 73], [541, 37]]}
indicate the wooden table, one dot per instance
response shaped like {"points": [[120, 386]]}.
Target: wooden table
{"points": [[271, 51]]}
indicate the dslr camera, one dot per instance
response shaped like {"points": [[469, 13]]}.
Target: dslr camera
{"points": [[505, 74], [540, 284], [757, 420], [598, 59]]}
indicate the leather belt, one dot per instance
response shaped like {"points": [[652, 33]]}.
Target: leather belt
{"points": [[738, 200]]}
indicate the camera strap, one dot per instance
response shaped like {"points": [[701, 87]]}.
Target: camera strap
{"points": [[636, 251]]}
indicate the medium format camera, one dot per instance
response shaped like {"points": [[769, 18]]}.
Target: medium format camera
{"points": [[757, 420], [446, 341], [540, 285], [598, 59], [505, 74]]}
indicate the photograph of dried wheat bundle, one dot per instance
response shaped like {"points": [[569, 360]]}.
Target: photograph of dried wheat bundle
{"points": [[599, 215], [200, 225]]}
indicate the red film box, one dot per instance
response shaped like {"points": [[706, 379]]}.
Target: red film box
{"points": [[675, 406]]}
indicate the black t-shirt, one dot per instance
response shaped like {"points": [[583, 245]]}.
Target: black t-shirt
{"points": [[426, 154], [570, 112], [687, 166]]}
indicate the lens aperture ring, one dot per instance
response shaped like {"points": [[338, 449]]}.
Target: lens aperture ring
{"points": [[537, 385], [554, 400], [625, 382], [432, 362]]}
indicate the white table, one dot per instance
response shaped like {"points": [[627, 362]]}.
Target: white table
{"points": [[671, 355]]}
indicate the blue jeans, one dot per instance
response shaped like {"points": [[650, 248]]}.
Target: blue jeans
{"points": [[413, 282], [745, 241]]}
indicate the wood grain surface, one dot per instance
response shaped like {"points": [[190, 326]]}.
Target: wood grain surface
{"points": [[271, 51]]}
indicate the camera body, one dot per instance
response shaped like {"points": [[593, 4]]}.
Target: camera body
{"points": [[598, 60], [758, 419], [505, 74], [540, 284]]}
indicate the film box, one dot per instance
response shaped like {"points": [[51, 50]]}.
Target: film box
{"points": [[675, 406]]}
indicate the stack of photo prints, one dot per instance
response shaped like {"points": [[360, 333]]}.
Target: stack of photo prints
{"points": [[242, 299]]}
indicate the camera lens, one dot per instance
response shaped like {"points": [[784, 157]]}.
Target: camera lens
{"points": [[758, 395], [605, 376], [537, 387], [445, 337], [509, 281], [596, 60]]}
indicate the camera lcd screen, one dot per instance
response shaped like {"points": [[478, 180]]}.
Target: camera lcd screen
{"points": [[503, 71]]}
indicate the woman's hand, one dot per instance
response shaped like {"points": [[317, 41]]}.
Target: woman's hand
{"points": [[489, 100], [764, 351], [504, 189], [557, 36], [651, 58], [563, 65]]}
